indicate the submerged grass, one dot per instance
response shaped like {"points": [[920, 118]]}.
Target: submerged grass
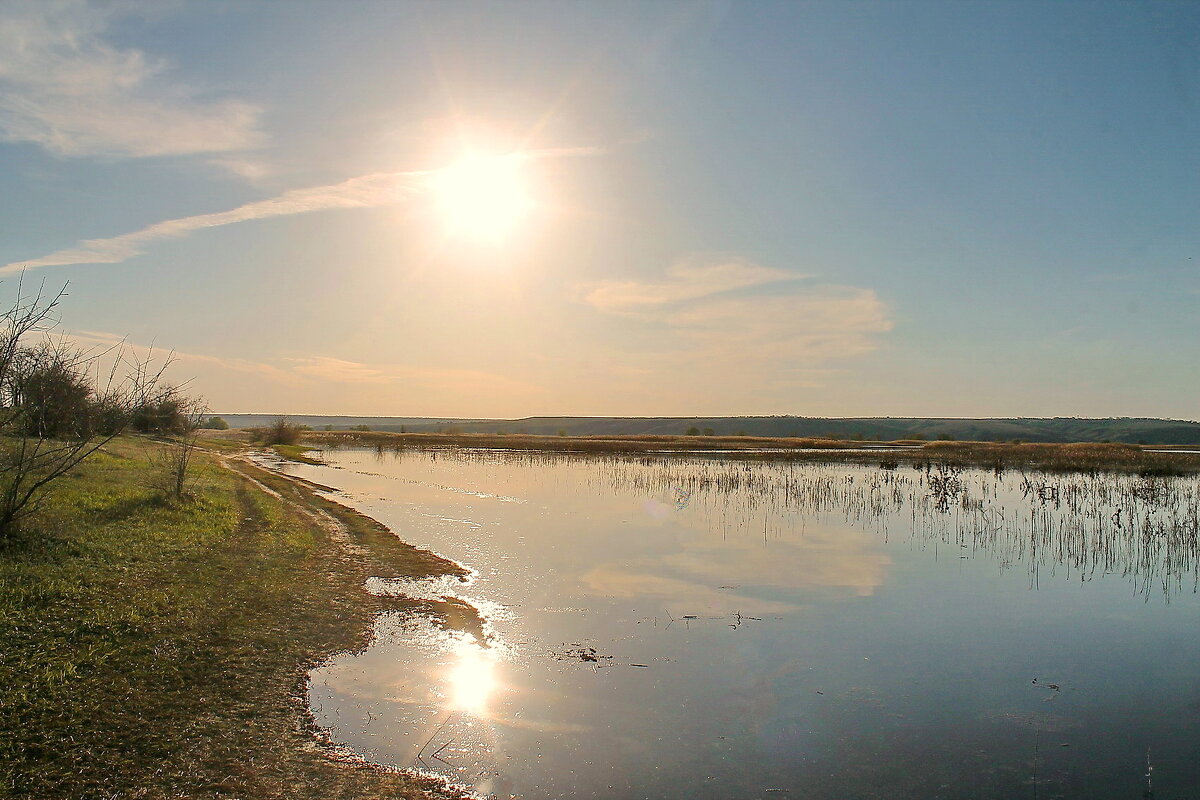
{"points": [[153, 649], [1086, 457], [296, 452], [1077, 457]]}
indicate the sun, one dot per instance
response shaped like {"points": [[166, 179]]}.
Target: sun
{"points": [[482, 196]]}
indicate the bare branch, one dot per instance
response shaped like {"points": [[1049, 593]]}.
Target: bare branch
{"points": [[54, 412]]}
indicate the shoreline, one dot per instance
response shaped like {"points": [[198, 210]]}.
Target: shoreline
{"points": [[163, 649], [1087, 457]]}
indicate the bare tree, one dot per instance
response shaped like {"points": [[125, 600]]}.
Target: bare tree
{"points": [[172, 459], [55, 407]]}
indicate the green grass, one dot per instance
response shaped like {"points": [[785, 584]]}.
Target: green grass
{"points": [[223, 445], [296, 452], [159, 650]]}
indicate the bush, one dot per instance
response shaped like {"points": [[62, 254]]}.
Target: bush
{"points": [[215, 424], [167, 414], [53, 412], [171, 461], [282, 432], [49, 392]]}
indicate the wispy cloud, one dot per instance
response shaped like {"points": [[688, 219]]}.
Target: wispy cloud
{"points": [[365, 191], [368, 190], [311, 376], [684, 281], [336, 369], [66, 89], [104, 342], [442, 379], [788, 321], [821, 323]]}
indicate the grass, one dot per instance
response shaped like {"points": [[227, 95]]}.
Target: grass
{"points": [[224, 444], [1079, 457], [296, 452], [1087, 457], [156, 650], [596, 444]]}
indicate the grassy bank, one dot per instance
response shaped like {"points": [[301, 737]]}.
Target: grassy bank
{"points": [[155, 649], [296, 452], [1081, 457]]}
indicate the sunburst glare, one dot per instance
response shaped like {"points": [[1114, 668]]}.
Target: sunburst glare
{"points": [[472, 680], [482, 195]]}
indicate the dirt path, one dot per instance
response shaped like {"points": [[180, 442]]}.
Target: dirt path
{"points": [[299, 502]]}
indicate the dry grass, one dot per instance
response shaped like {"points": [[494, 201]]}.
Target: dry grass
{"points": [[587, 444], [1078, 457], [297, 453]]}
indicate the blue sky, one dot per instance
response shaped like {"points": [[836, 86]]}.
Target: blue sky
{"points": [[933, 209]]}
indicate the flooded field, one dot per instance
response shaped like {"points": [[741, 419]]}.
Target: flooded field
{"points": [[695, 627]]}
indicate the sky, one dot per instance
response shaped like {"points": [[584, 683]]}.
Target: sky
{"points": [[510, 209]]}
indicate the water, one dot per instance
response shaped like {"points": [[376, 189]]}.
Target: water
{"points": [[704, 628]]}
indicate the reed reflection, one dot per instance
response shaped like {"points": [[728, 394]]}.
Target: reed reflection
{"points": [[1144, 528], [631, 609]]}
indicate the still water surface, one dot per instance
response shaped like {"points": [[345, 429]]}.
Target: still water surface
{"points": [[707, 628]]}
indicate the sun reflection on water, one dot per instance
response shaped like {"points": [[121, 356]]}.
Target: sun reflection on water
{"points": [[472, 679]]}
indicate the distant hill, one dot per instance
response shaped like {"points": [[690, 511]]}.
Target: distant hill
{"points": [[1057, 429]]}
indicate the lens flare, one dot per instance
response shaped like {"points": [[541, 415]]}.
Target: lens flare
{"points": [[482, 196]]}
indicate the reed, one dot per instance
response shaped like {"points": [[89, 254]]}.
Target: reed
{"points": [[1077, 457]]}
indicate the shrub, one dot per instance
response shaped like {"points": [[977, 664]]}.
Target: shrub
{"points": [[49, 393], [171, 461], [282, 432], [53, 413], [168, 413]]}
